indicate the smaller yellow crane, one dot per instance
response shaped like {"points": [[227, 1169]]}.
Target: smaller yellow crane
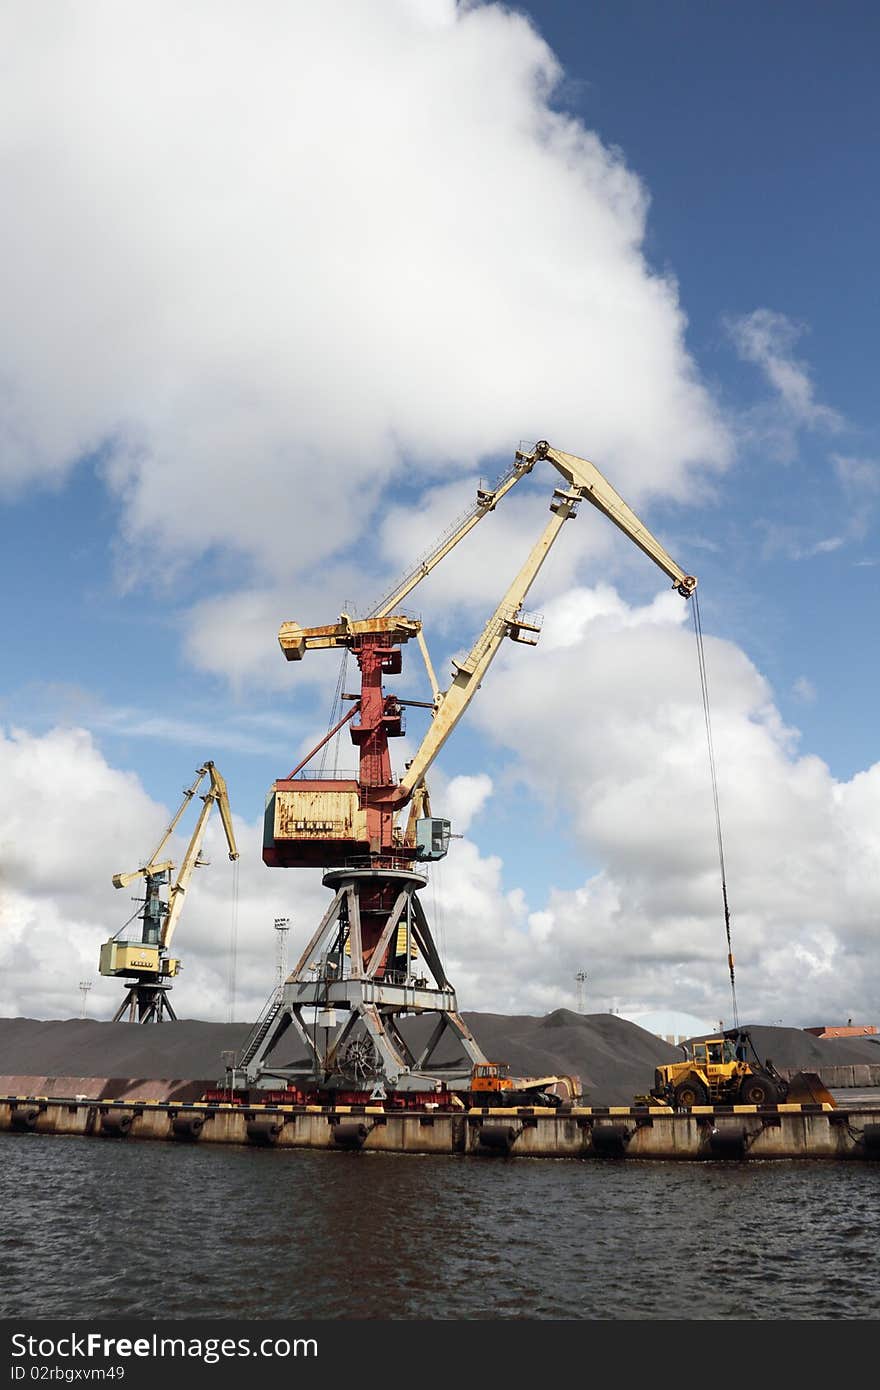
{"points": [[148, 963]]}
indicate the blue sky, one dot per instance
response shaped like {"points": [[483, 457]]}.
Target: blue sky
{"points": [[749, 133], [754, 128]]}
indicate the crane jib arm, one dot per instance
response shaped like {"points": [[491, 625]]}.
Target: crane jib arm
{"points": [[217, 794], [595, 487], [295, 641]]}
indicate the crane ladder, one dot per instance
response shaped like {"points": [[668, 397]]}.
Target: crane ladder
{"points": [[271, 1010]]}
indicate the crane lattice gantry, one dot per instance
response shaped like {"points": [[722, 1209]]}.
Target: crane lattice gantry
{"points": [[360, 960], [148, 963]]}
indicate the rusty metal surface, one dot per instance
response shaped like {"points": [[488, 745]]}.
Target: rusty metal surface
{"points": [[315, 809]]}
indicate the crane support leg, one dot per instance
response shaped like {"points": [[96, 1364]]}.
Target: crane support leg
{"points": [[145, 1003], [350, 995]]}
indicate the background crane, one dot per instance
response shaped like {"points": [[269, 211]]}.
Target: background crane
{"points": [[148, 963]]}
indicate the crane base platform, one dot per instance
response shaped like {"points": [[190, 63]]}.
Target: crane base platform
{"points": [[350, 1032], [145, 1002]]}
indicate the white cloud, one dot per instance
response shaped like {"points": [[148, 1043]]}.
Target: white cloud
{"points": [[608, 732], [65, 815], [465, 798], [793, 542], [607, 735], [68, 822], [197, 732], [805, 690], [767, 339], [295, 262], [568, 617], [859, 483], [860, 477], [860, 480], [236, 635]]}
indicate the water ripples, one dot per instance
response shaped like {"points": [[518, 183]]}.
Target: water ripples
{"points": [[107, 1228]]}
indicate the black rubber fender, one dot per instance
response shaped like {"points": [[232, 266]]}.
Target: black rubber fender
{"points": [[497, 1138], [349, 1134], [263, 1131], [870, 1139], [610, 1140], [187, 1127], [116, 1124], [727, 1141], [24, 1116]]}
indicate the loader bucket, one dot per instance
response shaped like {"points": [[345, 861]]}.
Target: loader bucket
{"points": [[807, 1088]]}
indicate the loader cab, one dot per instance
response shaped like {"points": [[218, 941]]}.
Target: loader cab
{"points": [[491, 1076], [714, 1052]]}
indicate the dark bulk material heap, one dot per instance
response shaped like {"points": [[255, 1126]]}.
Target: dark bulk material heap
{"points": [[614, 1059]]}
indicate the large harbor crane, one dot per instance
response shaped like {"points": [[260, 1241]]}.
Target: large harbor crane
{"points": [[357, 973], [147, 965]]}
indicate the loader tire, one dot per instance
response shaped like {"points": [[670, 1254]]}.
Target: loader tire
{"points": [[758, 1090], [690, 1092]]}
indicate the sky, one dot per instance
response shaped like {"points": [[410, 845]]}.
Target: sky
{"points": [[282, 285]]}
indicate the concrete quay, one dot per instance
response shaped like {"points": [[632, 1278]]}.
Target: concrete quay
{"points": [[618, 1132]]}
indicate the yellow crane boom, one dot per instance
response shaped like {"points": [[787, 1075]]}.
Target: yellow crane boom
{"points": [[506, 621], [586, 483], [153, 865], [217, 794], [578, 473]]}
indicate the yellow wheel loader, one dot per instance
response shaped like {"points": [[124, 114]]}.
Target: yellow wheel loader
{"points": [[727, 1070]]}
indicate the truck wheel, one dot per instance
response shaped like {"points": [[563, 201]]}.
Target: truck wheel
{"points": [[690, 1092], [757, 1090]]}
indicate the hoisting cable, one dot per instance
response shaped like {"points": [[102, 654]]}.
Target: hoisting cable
{"points": [[117, 934], [701, 658], [233, 945], [337, 701]]}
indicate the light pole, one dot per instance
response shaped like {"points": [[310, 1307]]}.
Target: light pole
{"points": [[228, 1058], [84, 987], [282, 927], [580, 978]]}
